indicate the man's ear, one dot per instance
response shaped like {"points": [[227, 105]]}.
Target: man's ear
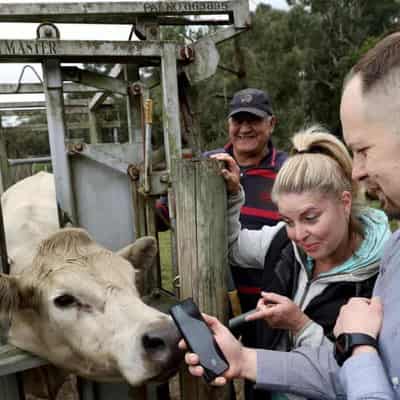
{"points": [[273, 120], [142, 253]]}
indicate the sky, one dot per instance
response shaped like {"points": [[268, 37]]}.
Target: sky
{"points": [[9, 73]]}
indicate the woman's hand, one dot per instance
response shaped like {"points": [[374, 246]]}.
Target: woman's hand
{"points": [[231, 172], [242, 361], [279, 312]]}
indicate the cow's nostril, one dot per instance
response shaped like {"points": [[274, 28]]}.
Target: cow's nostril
{"points": [[153, 343]]}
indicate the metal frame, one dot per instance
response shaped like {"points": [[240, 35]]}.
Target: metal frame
{"points": [[125, 163]]}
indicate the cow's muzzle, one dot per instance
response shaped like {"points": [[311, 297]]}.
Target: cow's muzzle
{"points": [[160, 344]]}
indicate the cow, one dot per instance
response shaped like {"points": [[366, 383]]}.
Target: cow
{"points": [[73, 302]]}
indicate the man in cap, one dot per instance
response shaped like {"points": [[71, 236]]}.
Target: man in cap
{"points": [[250, 125]]}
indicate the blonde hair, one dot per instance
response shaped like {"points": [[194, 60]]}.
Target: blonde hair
{"points": [[320, 163]]}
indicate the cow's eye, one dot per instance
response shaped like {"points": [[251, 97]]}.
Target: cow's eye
{"points": [[65, 300]]}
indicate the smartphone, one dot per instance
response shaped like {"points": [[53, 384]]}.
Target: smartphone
{"points": [[199, 338]]}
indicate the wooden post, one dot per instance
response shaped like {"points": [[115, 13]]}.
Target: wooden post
{"points": [[202, 250]]}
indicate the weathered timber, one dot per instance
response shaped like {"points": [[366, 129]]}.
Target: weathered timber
{"points": [[121, 12], [200, 196]]}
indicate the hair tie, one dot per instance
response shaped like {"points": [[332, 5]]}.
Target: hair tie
{"points": [[313, 150]]}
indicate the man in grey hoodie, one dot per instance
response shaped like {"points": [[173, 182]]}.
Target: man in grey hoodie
{"points": [[370, 115]]}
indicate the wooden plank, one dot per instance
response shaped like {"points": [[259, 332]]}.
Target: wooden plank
{"points": [[171, 114], [200, 199]]}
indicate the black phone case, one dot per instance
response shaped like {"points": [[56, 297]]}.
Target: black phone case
{"points": [[199, 338]]}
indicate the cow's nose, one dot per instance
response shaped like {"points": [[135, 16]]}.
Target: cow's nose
{"points": [[161, 344], [152, 342]]}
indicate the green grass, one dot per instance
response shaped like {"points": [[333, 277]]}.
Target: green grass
{"points": [[164, 239]]}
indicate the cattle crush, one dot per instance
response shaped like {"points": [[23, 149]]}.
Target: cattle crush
{"points": [[110, 189]]}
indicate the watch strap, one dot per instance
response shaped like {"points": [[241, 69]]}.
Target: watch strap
{"points": [[346, 342]]}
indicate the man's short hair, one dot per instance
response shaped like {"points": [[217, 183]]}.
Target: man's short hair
{"points": [[378, 62]]}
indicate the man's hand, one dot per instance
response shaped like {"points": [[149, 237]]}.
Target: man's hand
{"points": [[242, 361], [360, 315], [279, 312], [231, 172]]}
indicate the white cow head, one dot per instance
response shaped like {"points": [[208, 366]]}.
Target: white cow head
{"points": [[79, 308]]}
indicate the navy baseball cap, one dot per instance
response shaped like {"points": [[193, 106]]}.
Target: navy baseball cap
{"points": [[253, 101]]}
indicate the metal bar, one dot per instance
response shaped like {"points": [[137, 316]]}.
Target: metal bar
{"points": [[4, 170], [32, 88], [4, 265], [14, 360], [110, 12], [18, 50], [95, 154], [134, 110], [33, 160], [147, 143], [57, 135], [99, 98], [95, 79], [34, 112], [42, 104], [70, 126], [93, 127]]}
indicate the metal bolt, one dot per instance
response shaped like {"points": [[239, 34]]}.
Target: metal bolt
{"points": [[187, 53], [79, 147], [133, 172], [136, 89], [164, 178]]}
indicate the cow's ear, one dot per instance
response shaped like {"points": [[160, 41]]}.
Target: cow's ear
{"points": [[9, 294], [142, 253]]}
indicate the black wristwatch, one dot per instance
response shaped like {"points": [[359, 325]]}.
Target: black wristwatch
{"points": [[346, 342]]}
